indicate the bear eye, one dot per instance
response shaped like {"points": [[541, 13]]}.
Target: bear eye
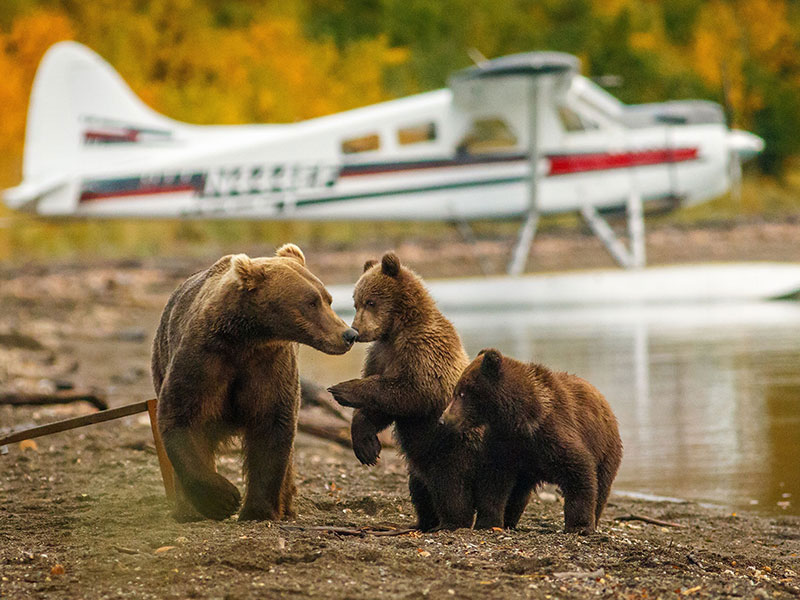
{"points": [[462, 395], [370, 303], [313, 302]]}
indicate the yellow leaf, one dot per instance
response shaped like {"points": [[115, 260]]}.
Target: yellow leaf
{"points": [[28, 445]]}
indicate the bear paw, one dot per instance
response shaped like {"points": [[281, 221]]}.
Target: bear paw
{"points": [[366, 447], [345, 393], [579, 529], [215, 497], [258, 513]]}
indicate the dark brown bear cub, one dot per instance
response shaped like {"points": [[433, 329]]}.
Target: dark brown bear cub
{"points": [[411, 369], [225, 363], [542, 426]]}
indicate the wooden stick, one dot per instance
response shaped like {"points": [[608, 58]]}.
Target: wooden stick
{"points": [[60, 397], [167, 473], [358, 531], [393, 532], [650, 520], [74, 423]]}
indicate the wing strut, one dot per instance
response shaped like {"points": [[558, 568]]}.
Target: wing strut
{"points": [[633, 258], [526, 234]]}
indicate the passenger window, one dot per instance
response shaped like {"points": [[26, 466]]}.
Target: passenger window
{"points": [[486, 136], [364, 143], [415, 134], [572, 121]]}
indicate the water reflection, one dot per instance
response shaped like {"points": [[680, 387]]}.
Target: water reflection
{"points": [[708, 397]]}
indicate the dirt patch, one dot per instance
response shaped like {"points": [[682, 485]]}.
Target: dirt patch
{"points": [[92, 502]]}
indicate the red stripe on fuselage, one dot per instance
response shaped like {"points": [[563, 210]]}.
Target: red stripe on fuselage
{"points": [[88, 196], [128, 136], [582, 163], [560, 164]]}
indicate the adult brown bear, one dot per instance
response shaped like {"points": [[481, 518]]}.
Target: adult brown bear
{"points": [[411, 369], [225, 363], [542, 426]]}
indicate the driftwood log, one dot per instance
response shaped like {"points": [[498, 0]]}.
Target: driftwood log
{"points": [[59, 397], [313, 394], [646, 519]]}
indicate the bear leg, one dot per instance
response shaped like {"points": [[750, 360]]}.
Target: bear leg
{"points": [[289, 491], [606, 471], [517, 501], [427, 519], [192, 456], [452, 501], [267, 455], [579, 507], [492, 494]]}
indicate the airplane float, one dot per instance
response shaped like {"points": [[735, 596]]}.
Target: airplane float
{"points": [[517, 136]]}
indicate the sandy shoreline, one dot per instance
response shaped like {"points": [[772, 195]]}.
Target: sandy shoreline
{"points": [[92, 502]]}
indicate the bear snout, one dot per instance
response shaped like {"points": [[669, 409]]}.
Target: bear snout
{"points": [[452, 414], [350, 335]]}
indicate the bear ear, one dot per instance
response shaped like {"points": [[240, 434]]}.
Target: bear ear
{"points": [[369, 264], [244, 269], [390, 264], [490, 365], [293, 252]]}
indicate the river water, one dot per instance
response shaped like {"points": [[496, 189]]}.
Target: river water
{"points": [[707, 396]]}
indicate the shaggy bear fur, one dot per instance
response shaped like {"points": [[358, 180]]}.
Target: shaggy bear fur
{"points": [[542, 426], [411, 369], [224, 363]]}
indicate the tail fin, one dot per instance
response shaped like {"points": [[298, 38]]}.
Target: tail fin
{"points": [[77, 99]]}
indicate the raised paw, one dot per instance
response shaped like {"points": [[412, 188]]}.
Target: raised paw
{"points": [[367, 448], [345, 393], [214, 497]]}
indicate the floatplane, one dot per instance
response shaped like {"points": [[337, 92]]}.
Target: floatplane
{"points": [[519, 136]]}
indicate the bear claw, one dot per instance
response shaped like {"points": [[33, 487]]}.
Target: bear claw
{"points": [[343, 394], [367, 449]]}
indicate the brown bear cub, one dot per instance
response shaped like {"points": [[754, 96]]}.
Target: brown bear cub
{"points": [[225, 363], [542, 426], [411, 369]]}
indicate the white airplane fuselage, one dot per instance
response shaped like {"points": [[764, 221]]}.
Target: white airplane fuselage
{"points": [[463, 152]]}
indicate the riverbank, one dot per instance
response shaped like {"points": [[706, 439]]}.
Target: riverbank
{"points": [[83, 514]]}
